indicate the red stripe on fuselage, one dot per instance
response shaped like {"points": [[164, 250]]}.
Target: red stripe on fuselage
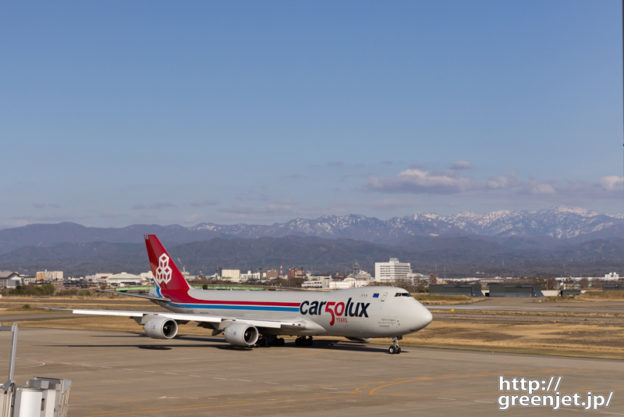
{"points": [[250, 303], [183, 297]]}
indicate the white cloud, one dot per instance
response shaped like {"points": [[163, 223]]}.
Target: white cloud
{"points": [[541, 188], [420, 181], [612, 183], [502, 182], [460, 165]]}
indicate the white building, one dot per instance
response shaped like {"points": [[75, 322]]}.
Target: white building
{"points": [[147, 276], [10, 279], [233, 275], [348, 283], [49, 275], [317, 282], [124, 279], [612, 276], [360, 275], [99, 278], [391, 271], [328, 283], [252, 275]]}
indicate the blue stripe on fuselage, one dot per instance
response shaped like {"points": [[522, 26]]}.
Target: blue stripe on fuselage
{"points": [[233, 307]]}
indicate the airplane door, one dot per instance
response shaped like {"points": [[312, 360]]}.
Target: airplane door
{"points": [[383, 296]]}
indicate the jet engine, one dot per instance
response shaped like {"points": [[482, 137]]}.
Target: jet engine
{"points": [[158, 327], [241, 334]]}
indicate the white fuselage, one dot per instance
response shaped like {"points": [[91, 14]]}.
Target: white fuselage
{"points": [[358, 312]]}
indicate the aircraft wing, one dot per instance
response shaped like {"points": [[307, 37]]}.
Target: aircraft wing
{"points": [[130, 294], [200, 318]]}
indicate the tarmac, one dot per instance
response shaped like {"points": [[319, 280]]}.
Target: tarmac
{"points": [[127, 374]]}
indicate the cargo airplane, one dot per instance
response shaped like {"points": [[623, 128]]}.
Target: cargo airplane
{"points": [[249, 318]]}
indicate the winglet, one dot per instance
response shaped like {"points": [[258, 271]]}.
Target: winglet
{"points": [[166, 274]]}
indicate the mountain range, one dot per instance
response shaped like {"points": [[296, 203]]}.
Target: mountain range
{"points": [[554, 241]]}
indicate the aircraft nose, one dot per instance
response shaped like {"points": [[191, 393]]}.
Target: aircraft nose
{"points": [[422, 317], [427, 316]]}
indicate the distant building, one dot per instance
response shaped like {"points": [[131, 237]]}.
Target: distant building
{"points": [[317, 282], [359, 275], [296, 273], [468, 289], [99, 278], [10, 279], [393, 270], [328, 283], [348, 283], [272, 274], [233, 275], [514, 290], [124, 279], [147, 276], [257, 276], [612, 276], [28, 279], [49, 275]]}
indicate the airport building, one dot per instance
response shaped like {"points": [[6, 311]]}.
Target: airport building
{"points": [[233, 275], [514, 290], [124, 279], [612, 276], [393, 270], [10, 279], [467, 289], [257, 276], [49, 275], [328, 283]]}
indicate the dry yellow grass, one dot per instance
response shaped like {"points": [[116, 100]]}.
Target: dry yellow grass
{"points": [[435, 299], [560, 339]]}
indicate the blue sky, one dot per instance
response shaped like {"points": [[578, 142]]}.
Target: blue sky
{"points": [[117, 112]]}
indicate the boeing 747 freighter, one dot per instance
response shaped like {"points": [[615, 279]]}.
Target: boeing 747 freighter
{"points": [[248, 318]]}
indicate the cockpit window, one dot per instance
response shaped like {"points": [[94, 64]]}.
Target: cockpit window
{"points": [[402, 294]]}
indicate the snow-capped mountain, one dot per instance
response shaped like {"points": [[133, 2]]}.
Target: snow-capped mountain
{"points": [[554, 241], [558, 223]]}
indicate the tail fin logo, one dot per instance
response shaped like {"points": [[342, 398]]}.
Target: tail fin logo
{"points": [[163, 272]]}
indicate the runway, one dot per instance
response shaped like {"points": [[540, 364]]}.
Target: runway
{"points": [[124, 374]]}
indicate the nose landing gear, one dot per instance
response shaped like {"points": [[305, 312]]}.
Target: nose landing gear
{"points": [[394, 348]]}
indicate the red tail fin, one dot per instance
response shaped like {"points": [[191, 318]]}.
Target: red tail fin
{"points": [[166, 273]]}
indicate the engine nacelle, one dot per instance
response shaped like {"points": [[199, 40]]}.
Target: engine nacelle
{"points": [[241, 334], [158, 327]]}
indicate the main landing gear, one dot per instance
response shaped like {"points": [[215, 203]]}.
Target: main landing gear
{"points": [[270, 340], [303, 341], [394, 348]]}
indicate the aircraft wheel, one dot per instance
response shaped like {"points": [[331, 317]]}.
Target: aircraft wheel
{"points": [[392, 350], [280, 341]]}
